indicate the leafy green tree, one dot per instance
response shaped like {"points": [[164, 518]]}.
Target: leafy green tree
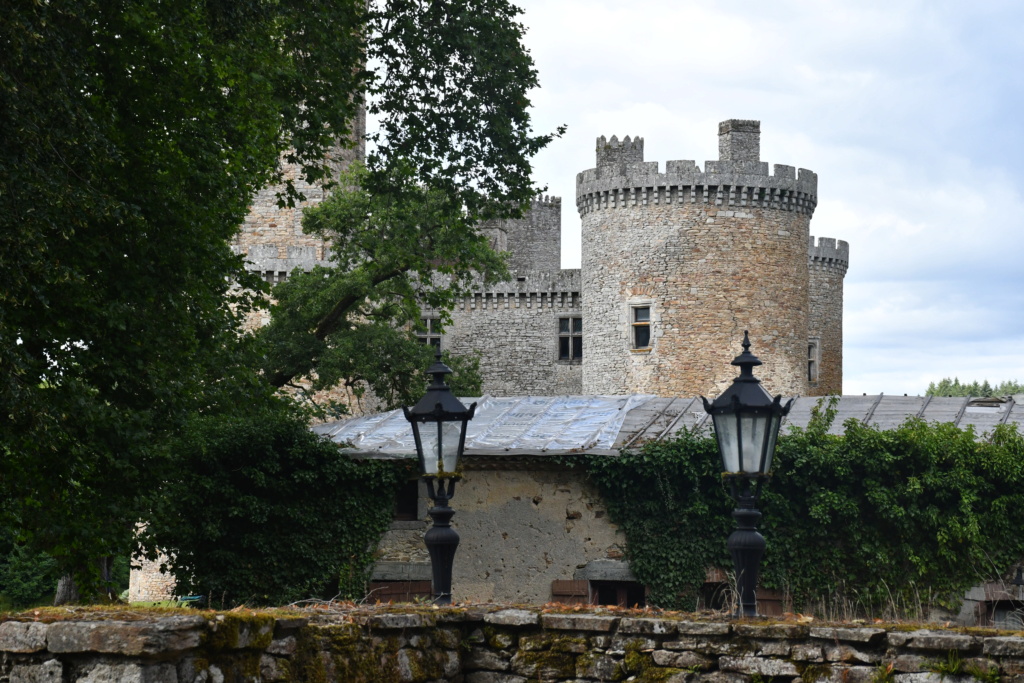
{"points": [[344, 324], [267, 512], [953, 387], [27, 578], [135, 134]]}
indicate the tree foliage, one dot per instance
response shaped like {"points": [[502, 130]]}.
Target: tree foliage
{"points": [[135, 135], [953, 387], [354, 322], [267, 512], [868, 517]]}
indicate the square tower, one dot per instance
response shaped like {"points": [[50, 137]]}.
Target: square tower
{"points": [[739, 140]]}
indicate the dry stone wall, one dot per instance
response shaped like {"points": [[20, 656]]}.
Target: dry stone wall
{"points": [[482, 644]]}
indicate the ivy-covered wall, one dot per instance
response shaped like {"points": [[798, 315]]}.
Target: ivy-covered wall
{"points": [[870, 522]]}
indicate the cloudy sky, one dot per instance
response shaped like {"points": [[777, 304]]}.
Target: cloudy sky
{"points": [[911, 113]]}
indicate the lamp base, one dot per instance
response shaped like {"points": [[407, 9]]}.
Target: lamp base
{"points": [[442, 541], [746, 545]]}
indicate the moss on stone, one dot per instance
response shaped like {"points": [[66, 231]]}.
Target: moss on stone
{"points": [[636, 662], [545, 664], [226, 633], [657, 674], [815, 672], [567, 643], [498, 639], [639, 666], [340, 652]]}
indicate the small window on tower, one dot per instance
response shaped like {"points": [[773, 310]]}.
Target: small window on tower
{"points": [[430, 332], [813, 360], [570, 339], [641, 327]]}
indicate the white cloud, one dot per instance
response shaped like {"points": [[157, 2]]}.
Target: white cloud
{"points": [[907, 110]]}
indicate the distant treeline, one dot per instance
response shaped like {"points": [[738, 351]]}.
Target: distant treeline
{"points": [[953, 387]]}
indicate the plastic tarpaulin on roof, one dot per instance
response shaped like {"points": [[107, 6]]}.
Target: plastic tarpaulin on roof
{"points": [[536, 423]]}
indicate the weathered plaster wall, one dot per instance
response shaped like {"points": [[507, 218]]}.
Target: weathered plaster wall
{"points": [[520, 530], [487, 644]]}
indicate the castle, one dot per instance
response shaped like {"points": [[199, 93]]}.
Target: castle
{"points": [[675, 266]]}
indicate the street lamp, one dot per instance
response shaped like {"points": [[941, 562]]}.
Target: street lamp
{"points": [[747, 421], [439, 427]]}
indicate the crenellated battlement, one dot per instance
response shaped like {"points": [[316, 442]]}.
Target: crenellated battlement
{"points": [[622, 178], [615, 154], [273, 267], [828, 254], [727, 183], [546, 200], [530, 289]]}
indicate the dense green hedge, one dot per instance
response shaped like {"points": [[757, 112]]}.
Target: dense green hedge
{"points": [[266, 512], [874, 517]]}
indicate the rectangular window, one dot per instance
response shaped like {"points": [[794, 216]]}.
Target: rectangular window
{"points": [[430, 332], [641, 327], [407, 499], [621, 593], [570, 339], [813, 358]]}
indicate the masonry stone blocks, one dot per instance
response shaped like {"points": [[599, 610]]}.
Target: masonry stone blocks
{"points": [[705, 256], [700, 255]]}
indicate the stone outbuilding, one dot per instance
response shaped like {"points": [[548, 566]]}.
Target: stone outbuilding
{"points": [[534, 530]]}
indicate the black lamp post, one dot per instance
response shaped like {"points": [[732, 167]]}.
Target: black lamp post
{"points": [[439, 426], [747, 421]]}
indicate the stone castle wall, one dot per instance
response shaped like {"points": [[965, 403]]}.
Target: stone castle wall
{"points": [[711, 254], [147, 583], [276, 232], [492, 644], [534, 242], [827, 261], [514, 326]]}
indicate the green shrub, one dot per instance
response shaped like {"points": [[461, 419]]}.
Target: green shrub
{"points": [[873, 515]]}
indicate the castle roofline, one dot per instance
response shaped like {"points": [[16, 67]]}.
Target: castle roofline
{"points": [[828, 254], [738, 178]]}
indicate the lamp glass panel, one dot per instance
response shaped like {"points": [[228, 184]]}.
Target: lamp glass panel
{"points": [[441, 448], [728, 441], [773, 434], [752, 428]]}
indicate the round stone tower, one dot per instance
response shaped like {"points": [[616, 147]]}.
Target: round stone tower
{"points": [[827, 261], [676, 265]]}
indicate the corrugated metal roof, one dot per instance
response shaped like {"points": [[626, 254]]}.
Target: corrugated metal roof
{"points": [[550, 425]]}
